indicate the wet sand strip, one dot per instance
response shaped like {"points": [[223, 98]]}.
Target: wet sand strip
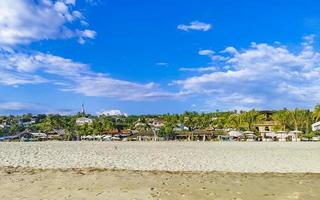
{"points": [[28, 183]]}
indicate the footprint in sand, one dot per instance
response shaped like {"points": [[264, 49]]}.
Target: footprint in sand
{"points": [[203, 188], [295, 195]]}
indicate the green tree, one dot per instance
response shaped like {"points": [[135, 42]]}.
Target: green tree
{"points": [[283, 118], [316, 113], [251, 118], [301, 119], [234, 121]]}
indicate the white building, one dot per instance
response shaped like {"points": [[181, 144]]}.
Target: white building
{"points": [[83, 120], [156, 124], [180, 127], [139, 124]]}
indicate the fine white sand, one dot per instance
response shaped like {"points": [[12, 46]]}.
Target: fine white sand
{"points": [[166, 156]]}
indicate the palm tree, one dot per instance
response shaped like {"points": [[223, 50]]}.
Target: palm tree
{"points": [[234, 121], [84, 129], [251, 118], [316, 113], [220, 120], [283, 118], [203, 121], [190, 119], [70, 127], [301, 119], [308, 121]]}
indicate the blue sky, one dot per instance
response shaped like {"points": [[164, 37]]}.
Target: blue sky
{"points": [[145, 57]]}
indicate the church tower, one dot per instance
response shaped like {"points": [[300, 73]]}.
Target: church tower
{"points": [[83, 112]]}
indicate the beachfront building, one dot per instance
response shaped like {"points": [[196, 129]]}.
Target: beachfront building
{"points": [[147, 135], [250, 136], [282, 136], [182, 133], [265, 127], [26, 135], [232, 135], [57, 134], [195, 135]]}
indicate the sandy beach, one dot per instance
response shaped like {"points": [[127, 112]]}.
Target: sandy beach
{"points": [[161, 170], [166, 156]]}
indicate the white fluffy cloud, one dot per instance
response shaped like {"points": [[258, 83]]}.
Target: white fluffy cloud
{"points": [[211, 54], [19, 68], [195, 25], [86, 34], [99, 85], [206, 52], [25, 21], [262, 76], [112, 113], [198, 69], [15, 79], [31, 62], [15, 107], [164, 64]]}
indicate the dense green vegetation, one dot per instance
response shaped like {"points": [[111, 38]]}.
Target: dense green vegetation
{"points": [[286, 120]]}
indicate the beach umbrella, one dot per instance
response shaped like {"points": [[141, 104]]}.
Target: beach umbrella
{"points": [[281, 135], [295, 133], [271, 134], [248, 132], [89, 137], [235, 133]]}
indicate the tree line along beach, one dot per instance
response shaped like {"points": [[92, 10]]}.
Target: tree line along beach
{"points": [[253, 125]]}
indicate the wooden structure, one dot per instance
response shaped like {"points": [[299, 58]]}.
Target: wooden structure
{"points": [[196, 135], [265, 127]]}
